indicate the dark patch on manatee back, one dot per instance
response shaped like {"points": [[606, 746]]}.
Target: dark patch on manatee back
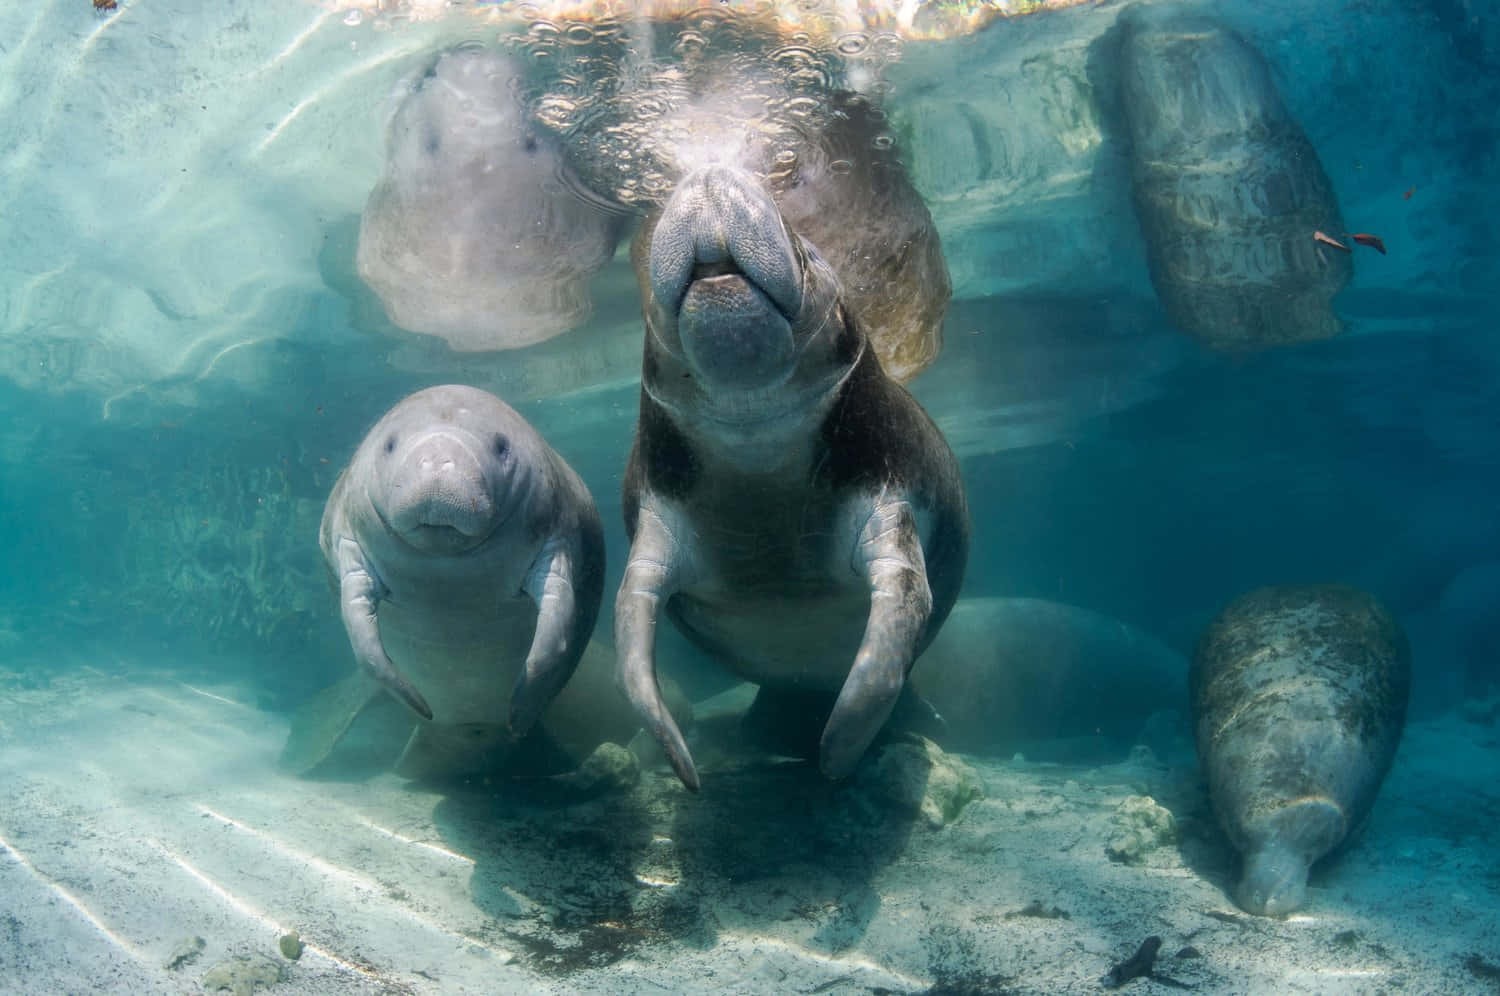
{"points": [[1363, 645], [878, 436], [661, 458], [1351, 665]]}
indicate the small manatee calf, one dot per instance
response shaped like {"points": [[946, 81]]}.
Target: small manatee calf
{"points": [[1298, 701], [790, 506], [469, 560]]}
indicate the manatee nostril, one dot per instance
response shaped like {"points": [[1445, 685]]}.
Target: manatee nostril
{"points": [[500, 445]]}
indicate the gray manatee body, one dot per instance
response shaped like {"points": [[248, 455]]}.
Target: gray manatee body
{"points": [[472, 233], [469, 559], [1299, 698], [789, 505], [1009, 674], [1228, 189]]}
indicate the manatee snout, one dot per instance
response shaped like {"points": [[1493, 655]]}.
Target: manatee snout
{"points": [[726, 273], [448, 490]]}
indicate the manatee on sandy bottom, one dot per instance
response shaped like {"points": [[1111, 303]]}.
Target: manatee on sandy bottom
{"points": [[1008, 674], [790, 506], [469, 559], [1298, 699]]}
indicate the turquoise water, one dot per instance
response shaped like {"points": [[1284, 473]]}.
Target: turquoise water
{"points": [[188, 357]]}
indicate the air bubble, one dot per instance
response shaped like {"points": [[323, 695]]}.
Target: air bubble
{"points": [[689, 45], [853, 43], [555, 111], [353, 18], [800, 107], [887, 47], [882, 142], [543, 31], [647, 108], [786, 157], [579, 33], [840, 166]]}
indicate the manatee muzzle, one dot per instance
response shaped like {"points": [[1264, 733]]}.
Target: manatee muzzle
{"points": [[724, 264], [441, 494]]}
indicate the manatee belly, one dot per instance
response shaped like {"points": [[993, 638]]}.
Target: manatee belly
{"points": [[798, 636], [464, 661]]}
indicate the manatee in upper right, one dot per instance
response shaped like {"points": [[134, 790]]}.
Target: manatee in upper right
{"points": [[475, 232], [1228, 188]]}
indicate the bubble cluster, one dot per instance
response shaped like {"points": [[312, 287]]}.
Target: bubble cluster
{"points": [[637, 102]]}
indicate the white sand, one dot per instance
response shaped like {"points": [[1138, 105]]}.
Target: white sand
{"points": [[136, 813]]}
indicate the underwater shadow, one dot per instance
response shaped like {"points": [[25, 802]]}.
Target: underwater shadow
{"points": [[555, 874], [769, 839]]}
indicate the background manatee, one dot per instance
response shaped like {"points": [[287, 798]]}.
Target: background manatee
{"points": [[1228, 189], [474, 232], [1299, 697], [1009, 674]]}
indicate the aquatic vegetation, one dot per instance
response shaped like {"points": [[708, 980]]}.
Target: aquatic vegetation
{"points": [[290, 945], [921, 779], [1144, 825], [243, 975]]}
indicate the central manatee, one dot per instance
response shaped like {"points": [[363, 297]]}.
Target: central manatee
{"points": [[469, 559], [789, 505]]}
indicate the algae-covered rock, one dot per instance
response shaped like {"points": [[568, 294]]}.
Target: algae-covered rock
{"points": [[185, 952], [1143, 825], [291, 945], [610, 768], [917, 776], [243, 975]]}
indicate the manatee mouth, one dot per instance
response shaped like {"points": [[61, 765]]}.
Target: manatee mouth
{"points": [[721, 268]]}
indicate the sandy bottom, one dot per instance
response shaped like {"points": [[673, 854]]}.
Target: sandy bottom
{"points": [[137, 813]]}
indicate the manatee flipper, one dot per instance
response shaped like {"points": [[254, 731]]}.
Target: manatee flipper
{"points": [[551, 660], [321, 722], [651, 578], [359, 594], [889, 554]]}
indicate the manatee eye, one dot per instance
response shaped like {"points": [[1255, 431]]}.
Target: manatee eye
{"points": [[432, 144], [501, 445], [390, 443], [530, 144]]}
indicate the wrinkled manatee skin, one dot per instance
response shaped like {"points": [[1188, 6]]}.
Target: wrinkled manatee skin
{"points": [[1298, 697]]}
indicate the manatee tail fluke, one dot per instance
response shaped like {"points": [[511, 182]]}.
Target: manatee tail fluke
{"points": [[1274, 881], [321, 722]]}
